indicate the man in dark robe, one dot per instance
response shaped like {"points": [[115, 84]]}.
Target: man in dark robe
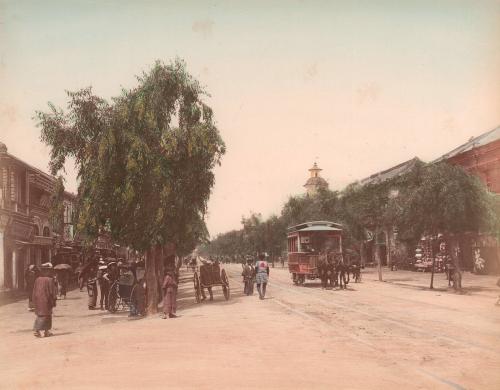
{"points": [[138, 307], [170, 295], [30, 276], [44, 299], [248, 277], [62, 281]]}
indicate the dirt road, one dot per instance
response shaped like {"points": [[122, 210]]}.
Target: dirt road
{"points": [[373, 335]]}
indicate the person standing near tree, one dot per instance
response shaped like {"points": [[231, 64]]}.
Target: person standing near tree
{"points": [[30, 276], [169, 295], [44, 299], [103, 280], [92, 286], [261, 275]]}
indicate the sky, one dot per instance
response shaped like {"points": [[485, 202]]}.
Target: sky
{"points": [[357, 86]]}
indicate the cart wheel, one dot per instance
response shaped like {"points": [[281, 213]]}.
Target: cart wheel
{"points": [[113, 298], [295, 279], [225, 284], [197, 287]]}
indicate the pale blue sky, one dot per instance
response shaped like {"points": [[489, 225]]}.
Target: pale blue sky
{"points": [[358, 85]]}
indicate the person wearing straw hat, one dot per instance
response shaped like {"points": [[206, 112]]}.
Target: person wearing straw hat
{"points": [[44, 299]]}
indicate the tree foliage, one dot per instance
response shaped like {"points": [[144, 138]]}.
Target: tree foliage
{"points": [[56, 206], [429, 198], [144, 160]]}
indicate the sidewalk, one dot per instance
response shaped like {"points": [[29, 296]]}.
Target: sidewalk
{"points": [[485, 285]]}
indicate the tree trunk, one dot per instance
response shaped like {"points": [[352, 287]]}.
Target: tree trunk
{"points": [[152, 281], [388, 248], [377, 258], [362, 254], [160, 265], [432, 271]]}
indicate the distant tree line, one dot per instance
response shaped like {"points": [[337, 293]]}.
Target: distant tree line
{"points": [[427, 200]]}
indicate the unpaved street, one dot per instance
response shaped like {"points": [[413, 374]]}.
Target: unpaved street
{"points": [[394, 335]]}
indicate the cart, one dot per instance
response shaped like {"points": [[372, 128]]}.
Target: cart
{"points": [[120, 297], [210, 275]]}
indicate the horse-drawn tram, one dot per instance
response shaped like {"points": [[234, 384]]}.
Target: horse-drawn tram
{"points": [[308, 244]]}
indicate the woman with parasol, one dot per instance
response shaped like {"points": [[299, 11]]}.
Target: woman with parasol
{"points": [[62, 275]]}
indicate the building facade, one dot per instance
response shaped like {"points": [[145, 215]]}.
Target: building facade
{"points": [[26, 235], [480, 156]]}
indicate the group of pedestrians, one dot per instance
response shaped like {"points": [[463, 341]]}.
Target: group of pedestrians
{"points": [[258, 273]]}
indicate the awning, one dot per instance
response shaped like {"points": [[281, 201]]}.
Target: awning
{"points": [[18, 242]]}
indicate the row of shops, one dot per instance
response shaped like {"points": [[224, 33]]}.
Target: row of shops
{"points": [[478, 252], [26, 234]]}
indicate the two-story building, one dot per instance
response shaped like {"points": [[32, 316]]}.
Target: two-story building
{"points": [[26, 235], [480, 156]]}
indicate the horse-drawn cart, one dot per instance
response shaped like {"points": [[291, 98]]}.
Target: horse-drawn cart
{"points": [[210, 275], [308, 245]]}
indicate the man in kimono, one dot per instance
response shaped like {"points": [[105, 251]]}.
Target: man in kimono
{"points": [[44, 299], [261, 275], [92, 286], [170, 295], [248, 277], [103, 281], [30, 276]]}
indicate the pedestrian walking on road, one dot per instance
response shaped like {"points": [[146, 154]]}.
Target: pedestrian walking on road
{"points": [[248, 274], [92, 286], [80, 275], [62, 282], [103, 280], [44, 299], [30, 275], [261, 275], [169, 295]]}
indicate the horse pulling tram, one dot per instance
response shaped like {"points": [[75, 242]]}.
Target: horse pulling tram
{"points": [[210, 275], [309, 241]]}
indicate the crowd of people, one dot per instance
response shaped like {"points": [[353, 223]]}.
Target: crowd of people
{"points": [[107, 281]]}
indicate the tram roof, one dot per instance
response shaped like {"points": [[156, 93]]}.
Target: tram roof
{"points": [[316, 226]]}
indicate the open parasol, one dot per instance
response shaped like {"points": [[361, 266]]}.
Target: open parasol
{"points": [[62, 267]]}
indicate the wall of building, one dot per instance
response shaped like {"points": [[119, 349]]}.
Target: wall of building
{"points": [[484, 162]]}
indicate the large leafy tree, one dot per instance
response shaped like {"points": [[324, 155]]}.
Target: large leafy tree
{"points": [[442, 198], [368, 207], [145, 161]]}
